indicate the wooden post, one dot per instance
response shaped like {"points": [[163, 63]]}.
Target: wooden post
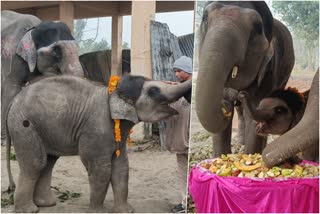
{"points": [[66, 13], [142, 12], [194, 16], [116, 50]]}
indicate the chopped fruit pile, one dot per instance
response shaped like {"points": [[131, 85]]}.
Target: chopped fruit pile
{"points": [[242, 165]]}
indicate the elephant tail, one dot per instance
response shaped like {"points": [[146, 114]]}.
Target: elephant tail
{"points": [[12, 185]]}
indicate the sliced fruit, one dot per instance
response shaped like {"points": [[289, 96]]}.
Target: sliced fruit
{"points": [[247, 168], [298, 170], [286, 172], [225, 172]]}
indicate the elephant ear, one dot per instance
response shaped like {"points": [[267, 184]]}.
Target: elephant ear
{"points": [[27, 51], [267, 58], [120, 109], [267, 18]]}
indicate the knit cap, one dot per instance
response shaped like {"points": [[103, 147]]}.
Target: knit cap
{"points": [[184, 63]]}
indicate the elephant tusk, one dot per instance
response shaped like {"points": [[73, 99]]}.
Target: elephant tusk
{"points": [[234, 72], [225, 112]]}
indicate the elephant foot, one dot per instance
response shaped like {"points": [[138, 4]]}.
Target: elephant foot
{"points": [[30, 208], [124, 208], [45, 199]]}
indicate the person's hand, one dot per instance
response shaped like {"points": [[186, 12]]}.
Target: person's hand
{"points": [[170, 82]]}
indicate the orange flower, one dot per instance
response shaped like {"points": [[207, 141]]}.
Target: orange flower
{"points": [[113, 82], [117, 131], [117, 135], [118, 152]]}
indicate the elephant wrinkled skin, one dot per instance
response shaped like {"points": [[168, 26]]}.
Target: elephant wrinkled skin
{"points": [[31, 48], [67, 115], [241, 46], [304, 136]]}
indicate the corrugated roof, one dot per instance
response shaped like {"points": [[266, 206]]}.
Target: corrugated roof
{"points": [[186, 44]]}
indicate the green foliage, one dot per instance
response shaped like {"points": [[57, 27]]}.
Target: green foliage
{"points": [[201, 136], [66, 195], [88, 45], [125, 45], [7, 201], [204, 153], [302, 17], [13, 156]]}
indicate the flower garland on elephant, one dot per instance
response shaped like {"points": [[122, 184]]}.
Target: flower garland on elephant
{"points": [[113, 82]]}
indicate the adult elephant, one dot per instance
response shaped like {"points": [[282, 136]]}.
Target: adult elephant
{"points": [[241, 47], [31, 48], [303, 136]]}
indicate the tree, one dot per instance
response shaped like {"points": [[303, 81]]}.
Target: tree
{"points": [[303, 20], [125, 45], [88, 45]]}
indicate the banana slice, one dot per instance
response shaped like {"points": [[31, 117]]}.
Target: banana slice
{"points": [[243, 167]]}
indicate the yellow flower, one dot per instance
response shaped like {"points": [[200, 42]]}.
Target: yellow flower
{"points": [[113, 81]]}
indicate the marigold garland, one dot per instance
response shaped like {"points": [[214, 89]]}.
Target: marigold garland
{"points": [[113, 81]]}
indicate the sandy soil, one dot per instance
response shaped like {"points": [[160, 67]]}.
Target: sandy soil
{"points": [[153, 184]]}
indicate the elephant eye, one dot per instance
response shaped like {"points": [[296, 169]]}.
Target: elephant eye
{"points": [[280, 110], [57, 52]]}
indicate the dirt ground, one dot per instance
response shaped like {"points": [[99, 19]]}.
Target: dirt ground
{"points": [[153, 184]]}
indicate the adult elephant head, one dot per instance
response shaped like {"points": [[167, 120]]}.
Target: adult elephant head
{"points": [[303, 136], [33, 48], [241, 46]]}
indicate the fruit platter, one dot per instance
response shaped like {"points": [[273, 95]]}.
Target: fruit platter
{"points": [[242, 183], [252, 166]]}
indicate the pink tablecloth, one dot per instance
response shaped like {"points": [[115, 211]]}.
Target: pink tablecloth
{"points": [[215, 194]]}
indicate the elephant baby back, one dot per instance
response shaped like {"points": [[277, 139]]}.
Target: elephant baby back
{"points": [[61, 110]]}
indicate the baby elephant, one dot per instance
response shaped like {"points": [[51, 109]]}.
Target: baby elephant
{"points": [[277, 113], [66, 115]]}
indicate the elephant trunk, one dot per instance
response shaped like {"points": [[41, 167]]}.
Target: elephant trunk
{"points": [[219, 55], [303, 136], [174, 92], [70, 63], [258, 115]]}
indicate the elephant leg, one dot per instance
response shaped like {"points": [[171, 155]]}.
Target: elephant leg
{"points": [[222, 142], [31, 166], [43, 196], [32, 159], [13, 82], [119, 181], [23, 196], [99, 172], [241, 125], [253, 142], [10, 91]]}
